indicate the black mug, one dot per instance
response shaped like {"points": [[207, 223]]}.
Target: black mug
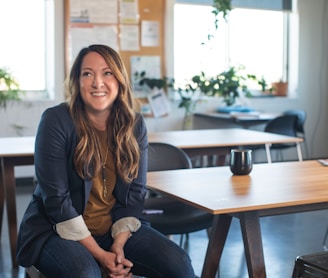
{"points": [[241, 162]]}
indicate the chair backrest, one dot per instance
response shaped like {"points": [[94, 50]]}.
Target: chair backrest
{"points": [[301, 117], [162, 156], [284, 125]]}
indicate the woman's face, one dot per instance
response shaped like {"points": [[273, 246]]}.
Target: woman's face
{"points": [[98, 86]]}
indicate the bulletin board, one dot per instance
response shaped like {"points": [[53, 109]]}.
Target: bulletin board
{"points": [[135, 28]]}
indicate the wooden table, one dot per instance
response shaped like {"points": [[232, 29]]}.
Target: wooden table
{"points": [[209, 141], [270, 189], [16, 151]]}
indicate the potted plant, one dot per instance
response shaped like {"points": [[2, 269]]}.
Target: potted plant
{"points": [[9, 88], [280, 88], [159, 83], [221, 7], [265, 88], [227, 84]]}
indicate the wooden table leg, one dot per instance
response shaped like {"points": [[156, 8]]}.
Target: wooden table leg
{"points": [[10, 190], [217, 239], [251, 232], [2, 194], [8, 182]]}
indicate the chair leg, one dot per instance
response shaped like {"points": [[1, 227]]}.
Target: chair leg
{"points": [[181, 240], [295, 272], [33, 272], [324, 246]]}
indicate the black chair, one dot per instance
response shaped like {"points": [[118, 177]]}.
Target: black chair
{"points": [[284, 125], [171, 216], [313, 265], [301, 118]]}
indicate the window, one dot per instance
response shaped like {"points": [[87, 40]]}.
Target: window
{"points": [[255, 39], [27, 44]]}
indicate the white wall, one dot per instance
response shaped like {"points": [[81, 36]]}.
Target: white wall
{"points": [[313, 72], [311, 91]]}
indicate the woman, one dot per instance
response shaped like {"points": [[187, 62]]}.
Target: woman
{"points": [[84, 219]]}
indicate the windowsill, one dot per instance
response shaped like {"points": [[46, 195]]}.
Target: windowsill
{"points": [[36, 96], [267, 96]]}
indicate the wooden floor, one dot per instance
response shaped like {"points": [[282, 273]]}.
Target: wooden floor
{"points": [[284, 237]]}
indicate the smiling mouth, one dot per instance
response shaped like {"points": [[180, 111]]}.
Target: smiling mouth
{"points": [[98, 94]]}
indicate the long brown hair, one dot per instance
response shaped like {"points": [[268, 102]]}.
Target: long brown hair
{"points": [[120, 125]]}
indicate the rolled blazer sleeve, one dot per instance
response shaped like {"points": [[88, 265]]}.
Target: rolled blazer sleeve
{"points": [[73, 229]]}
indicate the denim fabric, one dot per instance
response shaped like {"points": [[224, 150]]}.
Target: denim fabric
{"points": [[66, 258], [153, 255]]}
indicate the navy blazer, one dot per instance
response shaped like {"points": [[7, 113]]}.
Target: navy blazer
{"points": [[60, 193]]}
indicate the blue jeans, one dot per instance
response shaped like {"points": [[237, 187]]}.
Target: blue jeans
{"points": [[153, 255]]}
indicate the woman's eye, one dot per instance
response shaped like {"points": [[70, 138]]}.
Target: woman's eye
{"points": [[108, 73], [86, 73]]}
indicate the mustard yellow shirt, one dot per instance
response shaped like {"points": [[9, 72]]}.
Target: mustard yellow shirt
{"points": [[97, 213]]}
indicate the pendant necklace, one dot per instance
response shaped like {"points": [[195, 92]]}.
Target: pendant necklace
{"points": [[103, 171]]}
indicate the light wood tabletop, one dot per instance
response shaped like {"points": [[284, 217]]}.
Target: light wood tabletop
{"points": [[16, 146], [207, 141], [205, 138], [270, 189], [185, 139]]}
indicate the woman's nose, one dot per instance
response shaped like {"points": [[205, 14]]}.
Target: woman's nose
{"points": [[97, 82]]}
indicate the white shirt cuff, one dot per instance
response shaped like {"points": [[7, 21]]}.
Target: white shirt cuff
{"points": [[125, 224], [73, 229]]}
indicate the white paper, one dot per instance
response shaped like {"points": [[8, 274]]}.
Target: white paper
{"points": [[149, 64], [149, 33], [159, 103], [78, 11], [129, 11], [129, 38], [100, 11], [103, 11], [82, 37]]}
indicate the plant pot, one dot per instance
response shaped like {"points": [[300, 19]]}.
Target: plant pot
{"points": [[280, 88]]}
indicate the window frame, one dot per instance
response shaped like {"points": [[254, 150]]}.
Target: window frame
{"points": [[48, 92], [290, 58]]}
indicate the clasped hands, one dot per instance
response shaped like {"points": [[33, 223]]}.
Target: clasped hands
{"points": [[115, 263]]}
